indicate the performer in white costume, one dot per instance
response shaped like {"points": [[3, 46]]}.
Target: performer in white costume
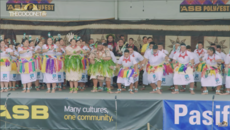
{"points": [[200, 51], [221, 66], [183, 70], [60, 59], [167, 79], [145, 74], [139, 59], [50, 66], [26, 65], [38, 62], [127, 72], [14, 75], [176, 49], [196, 62], [5, 65], [227, 72], [154, 69], [210, 75]]}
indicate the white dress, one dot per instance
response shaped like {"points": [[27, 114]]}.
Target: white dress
{"points": [[50, 77], [14, 75], [155, 68], [185, 77], [145, 74], [5, 70], [138, 57], [25, 76], [220, 65], [126, 63], [167, 79], [211, 80], [227, 78], [200, 53]]}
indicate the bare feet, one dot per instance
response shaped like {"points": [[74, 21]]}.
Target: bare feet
{"points": [[53, 91], [48, 91], [59, 89], [131, 92], [204, 93], [182, 90], [28, 91], [192, 92], [175, 92]]}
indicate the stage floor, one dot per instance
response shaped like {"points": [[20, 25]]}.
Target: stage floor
{"points": [[166, 95]]}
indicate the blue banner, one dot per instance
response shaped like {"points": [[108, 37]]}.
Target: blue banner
{"points": [[196, 115]]}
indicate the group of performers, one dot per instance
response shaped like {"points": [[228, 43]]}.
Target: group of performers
{"points": [[50, 63]]}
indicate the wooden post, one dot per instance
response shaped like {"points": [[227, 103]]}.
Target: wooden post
{"points": [[148, 126]]}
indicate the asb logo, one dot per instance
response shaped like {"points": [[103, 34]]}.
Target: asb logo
{"points": [[23, 112], [205, 6]]}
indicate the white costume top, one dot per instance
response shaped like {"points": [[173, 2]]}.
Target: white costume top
{"points": [[227, 59], [16, 55], [130, 61], [4, 55], [173, 53], [164, 51], [196, 58], [114, 59], [50, 52], [26, 54], [221, 54], [183, 58], [200, 52], [60, 53], [210, 60], [138, 57], [156, 59], [38, 47]]}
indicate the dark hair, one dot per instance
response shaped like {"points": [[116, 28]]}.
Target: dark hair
{"points": [[126, 51], [149, 38], [212, 49], [31, 41], [99, 43], [200, 42], [5, 38], [152, 43], [218, 46], [213, 44], [60, 39], [188, 47], [155, 47], [160, 43], [2, 40], [121, 36], [107, 41], [23, 40], [120, 39], [16, 45], [105, 44], [131, 39], [144, 37], [182, 44], [72, 40], [129, 47]]}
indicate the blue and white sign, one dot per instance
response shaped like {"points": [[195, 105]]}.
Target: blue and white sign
{"points": [[195, 115]]}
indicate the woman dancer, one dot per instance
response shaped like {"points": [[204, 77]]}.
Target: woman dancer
{"points": [[26, 65], [50, 66], [74, 64], [14, 75], [227, 72], [210, 75], [183, 70], [63, 46], [5, 65], [60, 57], [38, 63], [127, 72]]}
